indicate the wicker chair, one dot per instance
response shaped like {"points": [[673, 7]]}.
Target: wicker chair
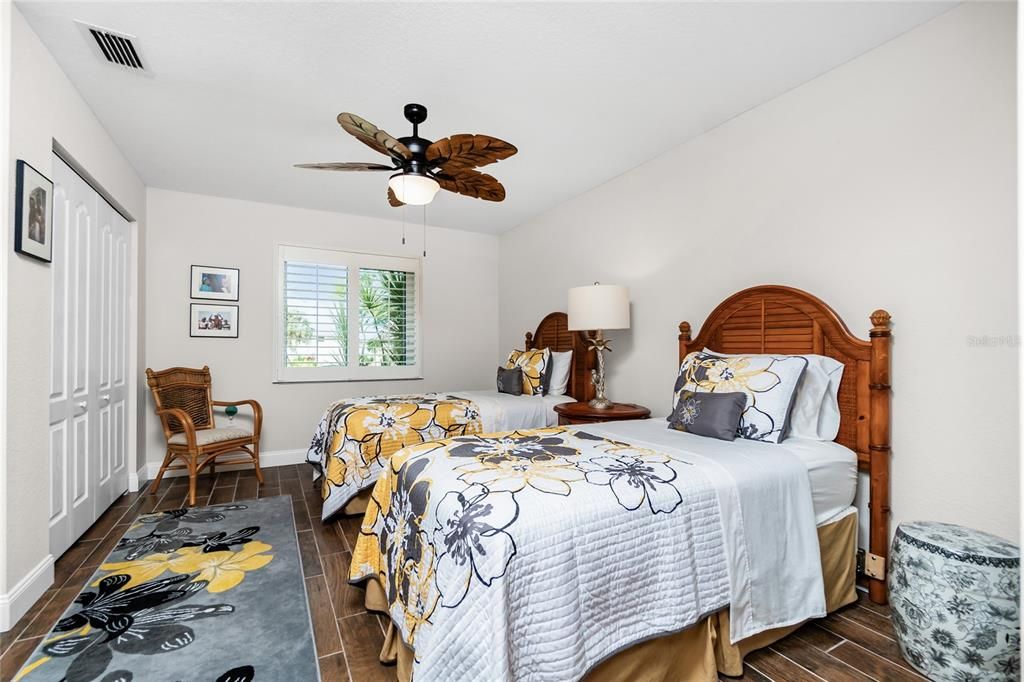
{"points": [[185, 408]]}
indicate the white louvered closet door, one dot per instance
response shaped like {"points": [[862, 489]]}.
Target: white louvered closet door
{"points": [[89, 357]]}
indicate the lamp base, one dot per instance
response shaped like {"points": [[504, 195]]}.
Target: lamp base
{"points": [[600, 403]]}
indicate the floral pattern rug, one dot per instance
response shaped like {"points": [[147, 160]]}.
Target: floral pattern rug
{"points": [[208, 593]]}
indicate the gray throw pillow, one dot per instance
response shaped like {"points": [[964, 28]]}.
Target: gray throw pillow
{"points": [[545, 380], [715, 415], [510, 380]]}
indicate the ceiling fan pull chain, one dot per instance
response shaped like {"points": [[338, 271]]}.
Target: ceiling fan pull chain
{"points": [[424, 230], [404, 207]]}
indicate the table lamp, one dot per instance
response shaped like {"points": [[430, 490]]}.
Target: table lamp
{"points": [[597, 308]]}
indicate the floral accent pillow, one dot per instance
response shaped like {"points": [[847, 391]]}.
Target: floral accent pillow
{"points": [[535, 364], [769, 383], [715, 415]]}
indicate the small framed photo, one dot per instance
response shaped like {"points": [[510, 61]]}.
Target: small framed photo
{"points": [[33, 213], [215, 284], [217, 321]]}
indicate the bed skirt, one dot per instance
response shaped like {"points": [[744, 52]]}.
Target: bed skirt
{"points": [[699, 653], [359, 503]]}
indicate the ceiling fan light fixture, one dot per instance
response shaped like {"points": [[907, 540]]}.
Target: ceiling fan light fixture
{"points": [[414, 189]]}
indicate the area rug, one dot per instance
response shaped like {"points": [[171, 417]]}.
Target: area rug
{"points": [[208, 593]]}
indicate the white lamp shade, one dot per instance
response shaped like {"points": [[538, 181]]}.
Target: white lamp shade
{"points": [[599, 306], [415, 190]]}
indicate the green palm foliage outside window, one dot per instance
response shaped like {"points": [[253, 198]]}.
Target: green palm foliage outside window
{"points": [[386, 303]]}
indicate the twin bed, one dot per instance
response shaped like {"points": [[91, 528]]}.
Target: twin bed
{"points": [[355, 437], [627, 550]]}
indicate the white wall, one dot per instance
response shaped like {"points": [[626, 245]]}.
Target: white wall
{"points": [[460, 292], [6, 10], [886, 183], [44, 107], [1020, 243]]}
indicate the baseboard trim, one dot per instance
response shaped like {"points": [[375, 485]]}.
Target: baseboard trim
{"points": [[17, 602], [270, 459], [137, 478]]}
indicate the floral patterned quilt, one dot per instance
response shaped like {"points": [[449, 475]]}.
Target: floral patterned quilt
{"points": [[535, 554], [355, 438]]}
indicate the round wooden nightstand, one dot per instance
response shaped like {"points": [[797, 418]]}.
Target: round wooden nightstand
{"points": [[582, 413]]}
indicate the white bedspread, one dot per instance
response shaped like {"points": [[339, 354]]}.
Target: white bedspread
{"points": [[769, 519], [503, 412], [832, 469], [535, 556]]}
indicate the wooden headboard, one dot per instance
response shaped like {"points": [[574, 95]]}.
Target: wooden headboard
{"points": [[778, 319], [553, 332]]}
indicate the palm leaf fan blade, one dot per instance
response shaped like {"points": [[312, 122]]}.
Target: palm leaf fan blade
{"points": [[346, 166], [373, 137], [471, 183], [468, 151], [393, 199]]}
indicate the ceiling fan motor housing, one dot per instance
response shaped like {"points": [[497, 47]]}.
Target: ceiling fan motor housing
{"points": [[416, 114]]}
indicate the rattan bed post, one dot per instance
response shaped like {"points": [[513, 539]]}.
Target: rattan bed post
{"points": [[879, 446]]}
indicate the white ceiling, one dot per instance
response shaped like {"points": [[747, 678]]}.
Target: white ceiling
{"points": [[239, 92]]}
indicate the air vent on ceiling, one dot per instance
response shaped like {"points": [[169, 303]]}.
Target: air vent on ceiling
{"points": [[116, 48]]}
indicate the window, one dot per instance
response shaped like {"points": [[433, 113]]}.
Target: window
{"points": [[346, 316]]}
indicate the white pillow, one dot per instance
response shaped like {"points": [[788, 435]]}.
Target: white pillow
{"points": [[815, 412], [561, 363]]}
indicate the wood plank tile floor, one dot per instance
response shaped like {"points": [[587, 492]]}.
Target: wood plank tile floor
{"points": [[855, 643]]}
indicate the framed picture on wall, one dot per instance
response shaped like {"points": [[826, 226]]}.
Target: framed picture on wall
{"points": [[33, 213], [215, 321], [215, 284]]}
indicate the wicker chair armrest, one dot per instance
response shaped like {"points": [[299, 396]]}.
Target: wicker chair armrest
{"points": [[257, 412], [184, 419]]}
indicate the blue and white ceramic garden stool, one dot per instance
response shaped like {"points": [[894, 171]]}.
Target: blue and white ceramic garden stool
{"points": [[954, 595]]}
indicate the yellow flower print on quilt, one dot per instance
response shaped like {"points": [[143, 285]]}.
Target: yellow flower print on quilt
{"points": [[335, 473], [544, 473], [384, 428], [366, 551], [457, 418], [364, 435], [422, 598], [534, 364]]}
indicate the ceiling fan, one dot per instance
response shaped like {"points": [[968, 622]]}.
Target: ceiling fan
{"points": [[424, 166]]}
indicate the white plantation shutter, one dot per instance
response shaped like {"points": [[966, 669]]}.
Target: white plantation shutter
{"points": [[316, 313], [346, 316]]}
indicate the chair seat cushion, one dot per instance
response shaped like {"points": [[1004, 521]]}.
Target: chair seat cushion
{"points": [[207, 436]]}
